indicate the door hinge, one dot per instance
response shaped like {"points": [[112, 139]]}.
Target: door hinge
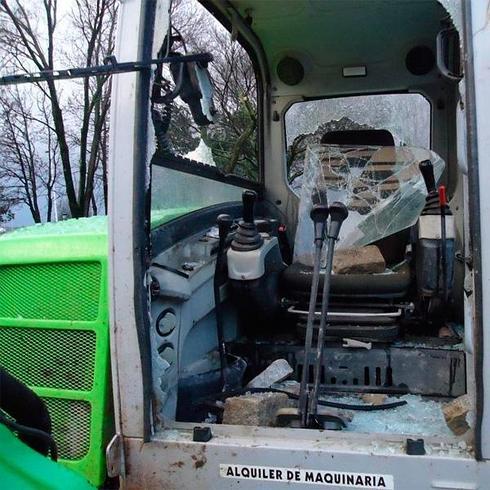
{"points": [[468, 284], [464, 259]]}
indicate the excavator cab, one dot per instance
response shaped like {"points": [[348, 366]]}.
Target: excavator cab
{"points": [[293, 278]]}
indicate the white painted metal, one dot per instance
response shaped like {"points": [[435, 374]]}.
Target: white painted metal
{"points": [[430, 227], [480, 13], [125, 355], [173, 461], [249, 265]]}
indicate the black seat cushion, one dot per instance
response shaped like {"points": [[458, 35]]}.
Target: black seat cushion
{"points": [[296, 283]]}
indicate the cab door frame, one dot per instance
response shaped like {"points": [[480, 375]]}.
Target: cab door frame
{"points": [[477, 106], [128, 227]]}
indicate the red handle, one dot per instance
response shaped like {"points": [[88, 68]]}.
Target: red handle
{"points": [[442, 196]]}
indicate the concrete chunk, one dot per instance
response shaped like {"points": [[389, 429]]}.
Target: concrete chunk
{"points": [[359, 260], [275, 372], [374, 398], [258, 409], [457, 414]]}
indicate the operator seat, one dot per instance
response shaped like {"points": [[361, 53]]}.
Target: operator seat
{"points": [[354, 289], [297, 277]]}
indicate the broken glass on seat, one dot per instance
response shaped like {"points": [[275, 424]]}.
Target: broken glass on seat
{"points": [[381, 186]]}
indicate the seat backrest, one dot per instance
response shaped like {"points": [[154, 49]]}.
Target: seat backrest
{"points": [[357, 137]]}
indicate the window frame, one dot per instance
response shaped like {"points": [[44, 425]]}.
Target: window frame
{"points": [[193, 167], [345, 96]]}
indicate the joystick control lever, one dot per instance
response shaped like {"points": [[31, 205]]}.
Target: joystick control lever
{"points": [[248, 201], [247, 237], [338, 214]]}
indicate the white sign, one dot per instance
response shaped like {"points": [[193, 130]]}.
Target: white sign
{"points": [[371, 481]]}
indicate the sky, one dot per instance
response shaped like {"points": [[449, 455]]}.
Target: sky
{"points": [[23, 217]]}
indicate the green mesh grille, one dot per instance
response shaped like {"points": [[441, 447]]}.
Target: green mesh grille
{"points": [[60, 291], [70, 421], [50, 358]]}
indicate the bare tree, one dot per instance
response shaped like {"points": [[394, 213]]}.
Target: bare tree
{"points": [[96, 22], [50, 170], [7, 202], [29, 40], [28, 151]]}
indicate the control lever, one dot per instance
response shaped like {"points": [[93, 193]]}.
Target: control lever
{"points": [[224, 222], [338, 213], [247, 237], [432, 199], [427, 171], [319, 216], [248, 201]]}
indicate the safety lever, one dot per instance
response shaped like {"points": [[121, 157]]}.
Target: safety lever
{"points": [[224, 222]]}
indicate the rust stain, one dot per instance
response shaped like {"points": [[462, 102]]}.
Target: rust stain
{"points": [[178, 464], [199, 463], [200, 460]]}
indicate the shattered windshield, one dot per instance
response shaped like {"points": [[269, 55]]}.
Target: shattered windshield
{"points": [[381, 186], [406, 116]]}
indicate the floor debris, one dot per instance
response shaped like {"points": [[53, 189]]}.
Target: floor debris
{"points": [[277, 371], [359, 260], [258, 409], [420, 416], [456, 414], [374, 398]]}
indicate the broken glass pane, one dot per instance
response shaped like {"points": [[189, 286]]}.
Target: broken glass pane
{"points": [[381, 186]]}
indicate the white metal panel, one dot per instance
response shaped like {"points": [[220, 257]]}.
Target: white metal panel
{"points": [[173, 461], [125, 356], [249, 265], [480, 14]]}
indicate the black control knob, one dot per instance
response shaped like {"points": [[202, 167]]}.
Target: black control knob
{"points": [[319, 215], [427, 171], [338, 214], [224, 222], [432, 199], [248, 200]]}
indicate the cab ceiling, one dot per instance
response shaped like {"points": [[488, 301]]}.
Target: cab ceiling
{"points": [[327, 35]]}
